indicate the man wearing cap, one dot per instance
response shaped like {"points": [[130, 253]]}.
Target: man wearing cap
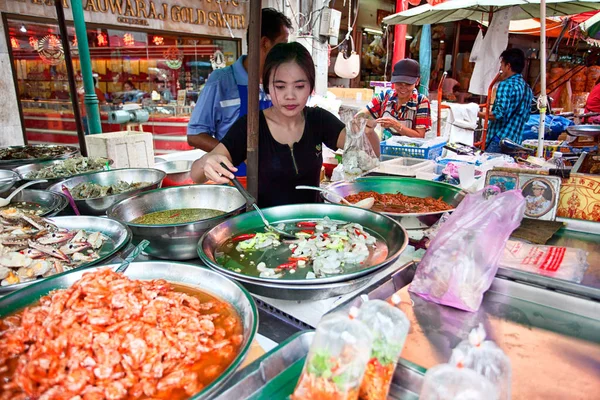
{"points": [[402, 110], [537, 204]]}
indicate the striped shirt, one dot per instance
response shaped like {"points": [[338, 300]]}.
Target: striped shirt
{"points": [[413, 114], [511, 109]]}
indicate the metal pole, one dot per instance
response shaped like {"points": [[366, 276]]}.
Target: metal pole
{"points": [[455, 49], [90, 99], [64, 35], [253, 85], [542, 101]]}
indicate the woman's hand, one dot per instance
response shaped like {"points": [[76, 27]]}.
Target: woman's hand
{"points": [[214, 171], [390, 123]]}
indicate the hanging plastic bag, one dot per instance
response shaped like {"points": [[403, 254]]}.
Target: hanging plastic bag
{"points": [[485, 358], [359, 156], [462, 259]]}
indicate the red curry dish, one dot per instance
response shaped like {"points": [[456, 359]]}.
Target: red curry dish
{"points": [[401, 204], [110, 337]]}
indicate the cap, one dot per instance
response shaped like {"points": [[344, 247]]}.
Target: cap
{"points": [[406, 71], [538, 184]]}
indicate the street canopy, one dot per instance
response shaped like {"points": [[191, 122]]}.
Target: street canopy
{"points": [[478, 10]]}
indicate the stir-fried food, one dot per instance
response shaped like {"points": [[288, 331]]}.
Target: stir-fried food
{"points": [[68, 168], [401, 204], [27, 207], [33, 152], [322, 248], [31, 247], [91, 190], [110, 337]]}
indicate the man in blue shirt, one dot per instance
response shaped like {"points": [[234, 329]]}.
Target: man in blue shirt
{"points": [[225, 96], [512, 106]]}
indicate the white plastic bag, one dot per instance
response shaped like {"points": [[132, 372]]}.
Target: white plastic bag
{"points": [[359, 156]]}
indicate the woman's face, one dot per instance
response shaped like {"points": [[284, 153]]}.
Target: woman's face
{"points": [[289, 89], [403, 89], [128, 87]]}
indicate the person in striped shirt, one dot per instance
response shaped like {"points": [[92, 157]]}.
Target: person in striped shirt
{"points": [[402, 110]]}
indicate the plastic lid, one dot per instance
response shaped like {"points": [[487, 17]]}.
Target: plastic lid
{"points": [[557, 154]]}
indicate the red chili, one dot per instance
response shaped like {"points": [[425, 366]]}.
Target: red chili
{"points": [[289, 265], [359, 233], [296, 259], [175, 215], [325, 235], [309, 231], [306, 224], [243, 237]]}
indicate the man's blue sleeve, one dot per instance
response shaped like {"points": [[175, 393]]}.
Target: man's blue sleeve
{"points": [[205, 115]]}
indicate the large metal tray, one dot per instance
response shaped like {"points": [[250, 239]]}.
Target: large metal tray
{"points": [[551, 338], [275, 375], [70, 151], [407, 186], [118, 235], [385, 228], [179, 273]]}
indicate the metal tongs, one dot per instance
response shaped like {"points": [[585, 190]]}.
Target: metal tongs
{"points": [[250, 200]]}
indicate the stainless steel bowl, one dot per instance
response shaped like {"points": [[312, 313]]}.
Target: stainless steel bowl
{"points": [[178, 273], [178, 172], [26, 169], [584, 130], [177, 241], [70, 151], [7, 180], [159, 160], [99, 205], [407, 186], [51, 201]]}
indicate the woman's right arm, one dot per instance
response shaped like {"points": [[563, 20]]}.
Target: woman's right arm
{"points": [[208, 167]]}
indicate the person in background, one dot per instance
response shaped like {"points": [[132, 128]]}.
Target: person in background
{"points": [[225, 95], [448, 87], [164, 89], [402, 110], [291, 135], [101, 101], [130, 92], [593, 101], [512, 106]]}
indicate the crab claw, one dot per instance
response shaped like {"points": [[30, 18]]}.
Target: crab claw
{"points": [[74, 247], [49, 250], [55, 238]]}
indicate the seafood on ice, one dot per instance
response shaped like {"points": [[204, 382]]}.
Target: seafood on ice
{"points": [[31, 246]]}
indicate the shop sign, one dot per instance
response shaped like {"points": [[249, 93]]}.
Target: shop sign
{"points": [[211, 13]]}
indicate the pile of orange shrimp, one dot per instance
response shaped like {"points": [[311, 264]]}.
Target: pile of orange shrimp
{"points": [[110, 337]]}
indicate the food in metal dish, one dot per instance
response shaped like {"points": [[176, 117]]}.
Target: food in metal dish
{"points": [[401, 204], [179, 216], [27, 207], [91, 190], [69, 167], [322, 248], [111, 337], [33, 152], [31, 246]]}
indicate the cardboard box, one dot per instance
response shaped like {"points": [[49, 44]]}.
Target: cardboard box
{"points": [[128, 149]]}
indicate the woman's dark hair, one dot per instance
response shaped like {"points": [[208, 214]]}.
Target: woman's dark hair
{"points": [[130, 83], [515, 58], [288, 52]]}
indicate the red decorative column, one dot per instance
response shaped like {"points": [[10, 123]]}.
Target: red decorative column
{"points": [[399, 34]]}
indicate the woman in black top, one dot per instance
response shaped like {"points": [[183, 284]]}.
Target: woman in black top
{"points": [[291, 135]]}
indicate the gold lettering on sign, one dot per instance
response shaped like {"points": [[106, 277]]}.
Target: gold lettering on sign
{"points": [[141, 9], [90, 5], [163, 16], [102, 6], [129, 10], [115, 6], [201, 17], [152, 11], [175, 13]]}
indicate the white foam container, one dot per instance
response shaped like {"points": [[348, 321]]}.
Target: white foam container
{"points": [[128, 149]]}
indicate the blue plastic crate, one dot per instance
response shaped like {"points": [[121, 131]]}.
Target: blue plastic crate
{"points": [[428, 153]]}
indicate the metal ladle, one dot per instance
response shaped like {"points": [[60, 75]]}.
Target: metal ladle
{"points": [[364, 203], [6, 201], [252, 201]]}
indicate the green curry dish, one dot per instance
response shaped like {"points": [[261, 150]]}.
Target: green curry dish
{"points": [[179, 216], [385, 352]]}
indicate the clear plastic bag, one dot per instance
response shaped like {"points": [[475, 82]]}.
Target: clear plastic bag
{"points": [[462, 259], [389, 328], [359, 156], [565, 263], [336, 362], [448, 382], [485, 358]]}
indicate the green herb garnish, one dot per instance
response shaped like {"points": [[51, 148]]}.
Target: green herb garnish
{"points": [[320, 365], [384, 351]]}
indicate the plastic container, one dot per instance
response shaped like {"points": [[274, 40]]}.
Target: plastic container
{"points": [[448, 382], [337, 359], [429, 153], [128, 149], [403, 166], [389, 328]]}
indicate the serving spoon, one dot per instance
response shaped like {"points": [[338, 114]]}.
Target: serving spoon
{"points": [[252, 201], [6, 201], [364, 203]]}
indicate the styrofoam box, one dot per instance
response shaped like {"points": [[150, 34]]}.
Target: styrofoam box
{"points": [[128, 149], [403, 166]]}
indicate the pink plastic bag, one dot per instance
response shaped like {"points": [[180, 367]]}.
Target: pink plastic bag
{"points": [[462, 259]]}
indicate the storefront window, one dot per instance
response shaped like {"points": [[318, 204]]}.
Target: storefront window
{"points": [[162, 72]]}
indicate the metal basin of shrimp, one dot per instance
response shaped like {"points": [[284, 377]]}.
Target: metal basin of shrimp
{"points": [[32, 247], [161, 330]]}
